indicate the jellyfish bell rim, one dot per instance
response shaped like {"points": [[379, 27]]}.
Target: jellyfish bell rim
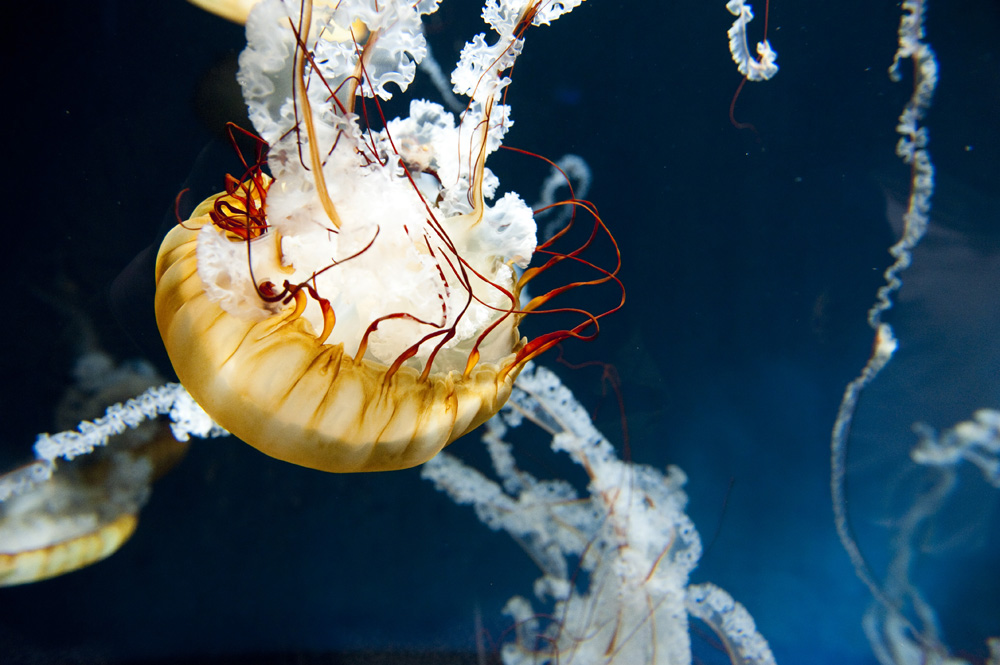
{"points": [[67, 555]]}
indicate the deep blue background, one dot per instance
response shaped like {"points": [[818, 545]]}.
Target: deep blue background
{"points": [[750, 259]]}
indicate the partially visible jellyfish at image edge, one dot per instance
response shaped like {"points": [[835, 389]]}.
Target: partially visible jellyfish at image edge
{"points": [[89, 506]]}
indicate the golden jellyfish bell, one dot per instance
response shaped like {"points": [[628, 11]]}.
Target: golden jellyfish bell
{"points": [[359, 311], [231, 10], [278, 386]]}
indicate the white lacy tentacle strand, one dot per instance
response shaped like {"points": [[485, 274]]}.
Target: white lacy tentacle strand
{"points": [[763, 66], [171, 399]]}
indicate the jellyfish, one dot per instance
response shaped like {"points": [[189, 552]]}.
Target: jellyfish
{"points": [[353, 304], [66, 516]]}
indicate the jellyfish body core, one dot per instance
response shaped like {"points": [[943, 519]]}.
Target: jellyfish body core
{"points": [[359, 311]]}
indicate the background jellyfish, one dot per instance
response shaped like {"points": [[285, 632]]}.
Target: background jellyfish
{"points": [[89, 506], [752, 321]]}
